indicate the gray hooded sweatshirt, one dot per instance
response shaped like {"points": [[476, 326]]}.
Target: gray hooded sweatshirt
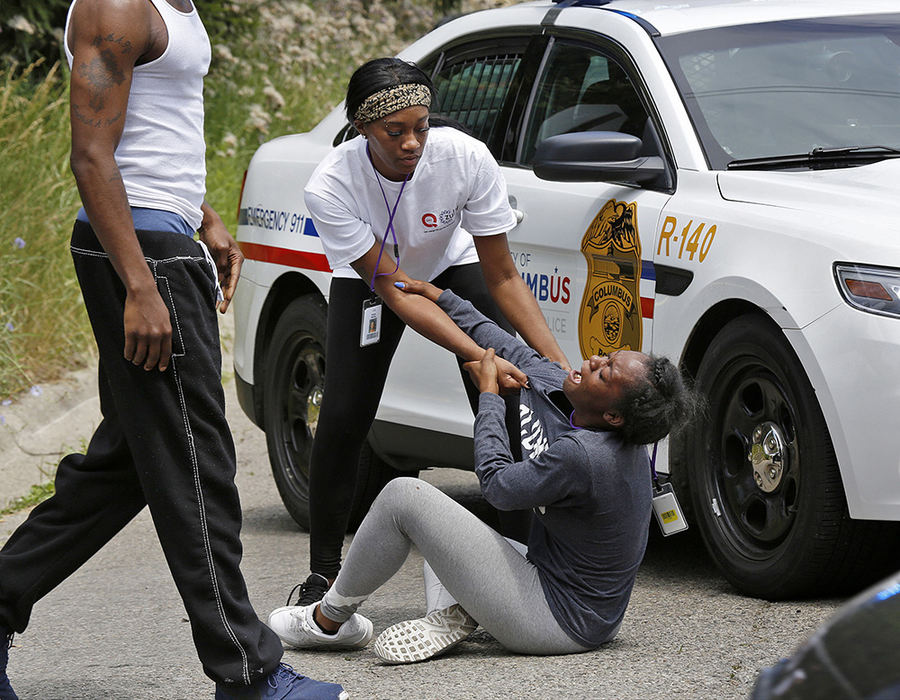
{"points": [[589, 490]]}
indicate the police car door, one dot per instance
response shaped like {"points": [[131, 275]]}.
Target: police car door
{"points": [[586, 249]]}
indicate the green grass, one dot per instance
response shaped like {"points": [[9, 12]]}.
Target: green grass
{"points": [[37, 494], [43, 327]]}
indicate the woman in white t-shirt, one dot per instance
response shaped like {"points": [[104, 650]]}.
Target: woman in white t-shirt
{"points": [[405, 201]]}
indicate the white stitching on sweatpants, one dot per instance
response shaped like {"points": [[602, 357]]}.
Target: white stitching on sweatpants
{"points": [[90, 253], [195, 470], [203, 526], [102, 254], [176, 326]]}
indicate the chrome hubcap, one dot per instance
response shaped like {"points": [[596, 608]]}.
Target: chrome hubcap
{"points": [[767, 456], [313, 406]]}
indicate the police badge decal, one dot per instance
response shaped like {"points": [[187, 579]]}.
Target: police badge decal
{"points": [[610, 315]]}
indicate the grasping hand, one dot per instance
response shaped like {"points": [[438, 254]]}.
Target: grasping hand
{"points": [[510, 378], [496, 375], [425, 289], [484, 372]]}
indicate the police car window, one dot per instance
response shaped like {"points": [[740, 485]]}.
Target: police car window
{"points": [[582, 89], [777, 88], [473, 91]]}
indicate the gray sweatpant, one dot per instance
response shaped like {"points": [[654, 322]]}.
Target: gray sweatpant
{"points": [[492, 581]]}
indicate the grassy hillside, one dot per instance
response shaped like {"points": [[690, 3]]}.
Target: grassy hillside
{"points": [[278, 67], [43, 327]]}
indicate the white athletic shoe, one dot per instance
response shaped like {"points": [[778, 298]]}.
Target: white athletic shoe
{"points": [[417, 640], [295, 626]]}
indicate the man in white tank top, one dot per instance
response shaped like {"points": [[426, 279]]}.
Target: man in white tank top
{"points": [[138, 154]]}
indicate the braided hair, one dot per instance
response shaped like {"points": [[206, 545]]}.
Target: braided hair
{"points": [[652, 408]]}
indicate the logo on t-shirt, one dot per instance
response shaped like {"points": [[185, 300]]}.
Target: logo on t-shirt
{"points": [[430, 220], [534, 439]]}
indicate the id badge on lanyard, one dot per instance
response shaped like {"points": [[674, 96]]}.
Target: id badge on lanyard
{"points": [[370, 331], [665, 503]]}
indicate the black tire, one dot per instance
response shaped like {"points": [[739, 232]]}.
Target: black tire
{"points": [[293, 390], [786, 533]]}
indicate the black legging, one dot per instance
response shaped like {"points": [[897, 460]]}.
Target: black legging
{"points": [[354, 381]]}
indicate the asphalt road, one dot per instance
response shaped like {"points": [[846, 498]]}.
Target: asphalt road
{"points": [[117, 629]]}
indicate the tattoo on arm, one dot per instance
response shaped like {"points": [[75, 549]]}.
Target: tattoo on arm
{"points": [[123, 43], [79, 114], [100, 75]]}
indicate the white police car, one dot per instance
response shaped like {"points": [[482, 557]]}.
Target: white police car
{"points": [[715, 181]]}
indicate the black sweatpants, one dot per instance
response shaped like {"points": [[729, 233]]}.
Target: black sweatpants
{"points": [[354, 381], [163, 442]]}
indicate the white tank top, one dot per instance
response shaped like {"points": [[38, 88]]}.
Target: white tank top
{"points": [[162, 152]]}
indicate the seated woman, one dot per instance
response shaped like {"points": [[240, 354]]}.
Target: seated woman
{"points": [[584, 472]]}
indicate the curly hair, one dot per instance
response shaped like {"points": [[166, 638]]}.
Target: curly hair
{"points": [[652, 408]]}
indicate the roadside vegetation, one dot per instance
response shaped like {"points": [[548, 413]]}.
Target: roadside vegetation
{"points": [[43, 326], [38, 494], [278, 67]]}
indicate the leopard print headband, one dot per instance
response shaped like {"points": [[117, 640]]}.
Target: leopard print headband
{"points": [[392, 99]]}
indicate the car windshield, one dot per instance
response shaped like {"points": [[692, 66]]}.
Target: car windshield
{"points": [[778, 88]]}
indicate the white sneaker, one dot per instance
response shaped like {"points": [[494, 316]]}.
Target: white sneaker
{"points": [[295, 626], [417, 640]]}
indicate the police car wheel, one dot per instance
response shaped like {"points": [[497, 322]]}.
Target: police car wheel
{"points": [[294, 381], [764, 481]]}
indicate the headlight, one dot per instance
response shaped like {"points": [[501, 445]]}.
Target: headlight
{"points": [[869, 288]]}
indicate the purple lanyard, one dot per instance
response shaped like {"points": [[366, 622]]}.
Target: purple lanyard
{"points": [[390, 225], [571, 421]]}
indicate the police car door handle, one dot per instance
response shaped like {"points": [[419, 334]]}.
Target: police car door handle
{"points": [[520, 215]]}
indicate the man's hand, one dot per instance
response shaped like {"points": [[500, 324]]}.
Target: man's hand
{"points": [[225, 252], [484, 372], [148, 330]]}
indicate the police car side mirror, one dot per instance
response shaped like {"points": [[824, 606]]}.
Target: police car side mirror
{"points": [[596, 156]]}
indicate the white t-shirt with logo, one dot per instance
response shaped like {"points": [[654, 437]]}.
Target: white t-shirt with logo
{"points": [[457, 191]]}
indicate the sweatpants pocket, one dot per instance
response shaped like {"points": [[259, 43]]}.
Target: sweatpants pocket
{"points": [[188, 288]]}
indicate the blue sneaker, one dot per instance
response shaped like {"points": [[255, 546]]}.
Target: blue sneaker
{"points": [[6, 691], [284, 683]]}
